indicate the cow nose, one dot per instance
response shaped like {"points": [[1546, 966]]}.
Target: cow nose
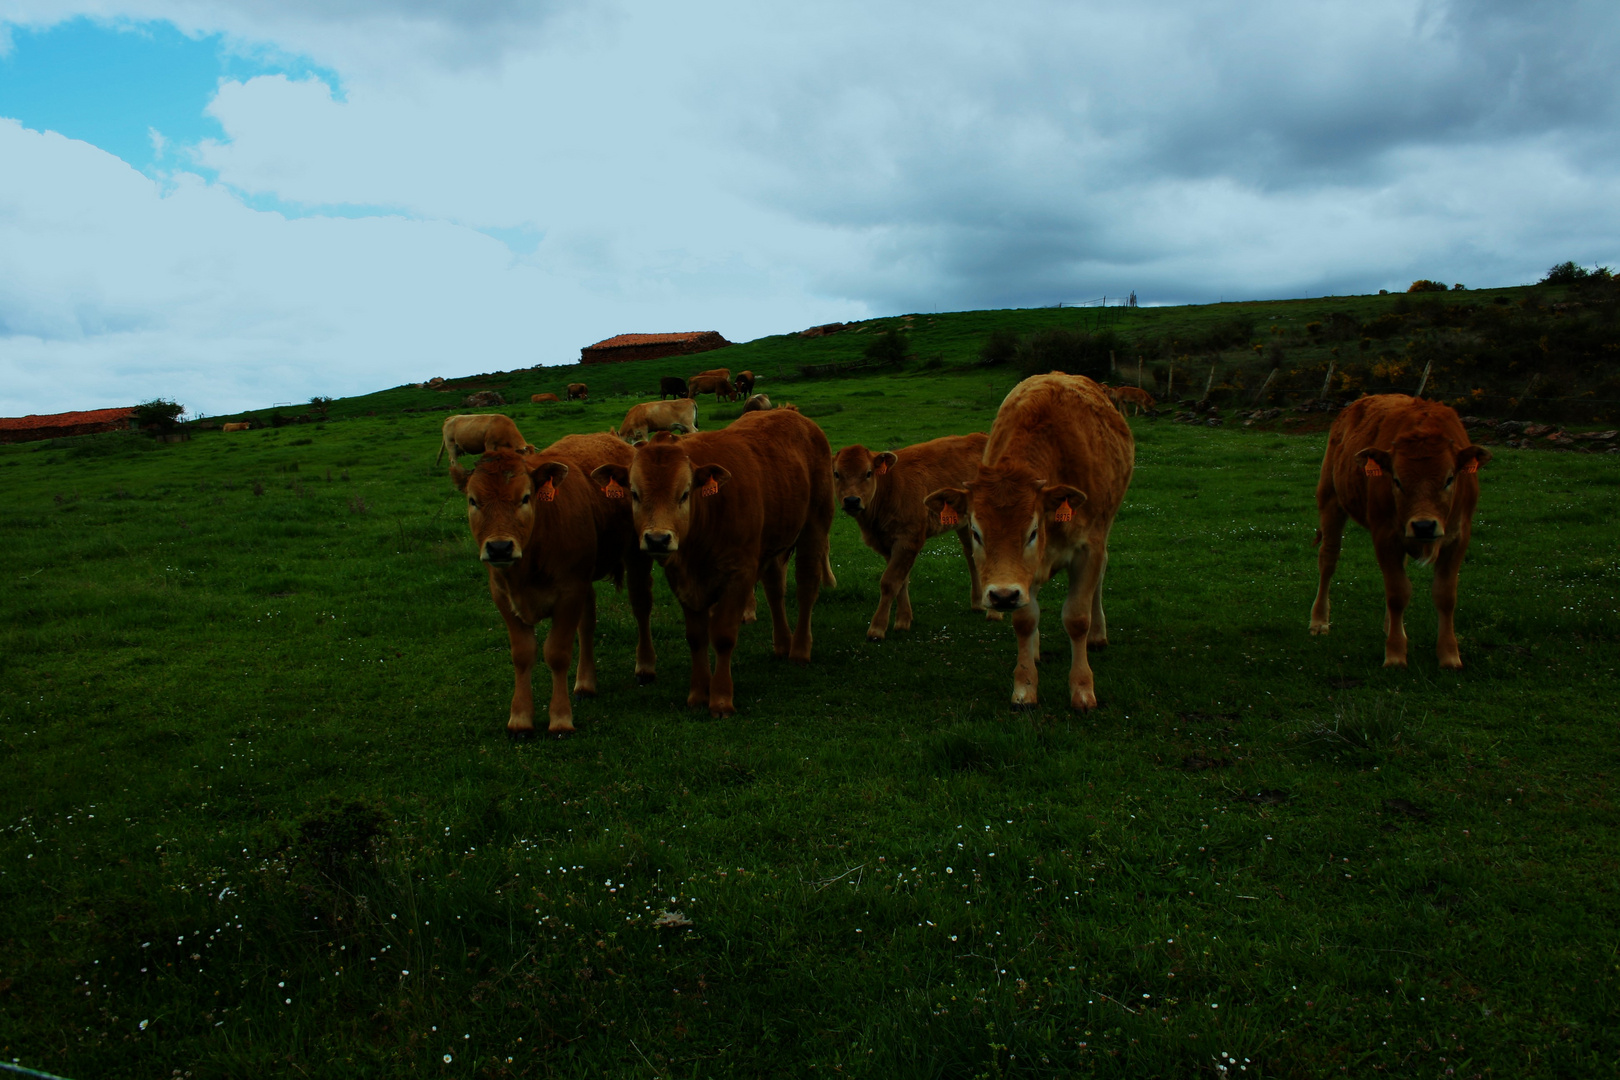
{"points": [[657, 539], [1005, 599], [1425, 528], [852, 504], [498, 550]]}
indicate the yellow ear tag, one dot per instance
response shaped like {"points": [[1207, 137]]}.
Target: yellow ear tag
{"points": [[548, 491], [1371, 468], [882, 467], [1473, 466], [613, 490], [948, 515], [1065, 512], [712, 487]]}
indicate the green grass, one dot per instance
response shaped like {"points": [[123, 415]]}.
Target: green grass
{"points": [[256, 772]]}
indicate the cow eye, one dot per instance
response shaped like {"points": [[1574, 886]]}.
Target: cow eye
{"points": [[1450, 478], [977, 537], [685, 495], [525, 500], [1033, 533], [869, 474], [836, 476], [635, 496], [1396, 481], [472, 502]]}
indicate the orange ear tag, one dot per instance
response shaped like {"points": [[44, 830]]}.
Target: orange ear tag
{"points": [[948, 515], [1473, 466], [712, 487], [882, 467], [613, 490], [548, 491], [1065, 512], [1372, 469]]}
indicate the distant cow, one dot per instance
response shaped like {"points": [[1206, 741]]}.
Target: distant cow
{"points": [[757, 403], [1124, 396], [1405, 470], [543, 399], [671, 386], [884, 493], [240, 426], [744, 382], [545, 535], [718, 385], [719, 372], [650, 416], [1053, 476], [479, 433], [722, 509], [577, 391]]}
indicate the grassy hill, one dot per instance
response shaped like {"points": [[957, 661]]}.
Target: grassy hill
{"points": [[261, 817]]}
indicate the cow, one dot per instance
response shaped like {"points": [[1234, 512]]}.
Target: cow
{"points": [[717, 385], [479, 433], [577, 391], [239, 426], [884, 494], [671, 386], [543, 399], [719, 372], [1405, 470], [650, 416], [744, 382], [545, 534], [1044, 497], [722, 509], [1124, 396], [757, 403]]}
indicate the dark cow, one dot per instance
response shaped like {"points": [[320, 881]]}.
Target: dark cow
{"points": [[577, 391], [671, 386], [1405, 470], [744, 383]]}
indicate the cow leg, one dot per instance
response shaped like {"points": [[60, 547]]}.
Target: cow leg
{"points": [[1027, 625], [639, 575], [520, 722], [1329, 538], [1446, 569], [1397, 594], [585, 674], [1079, 609], [751, 609], [697, 640], [724, 621], [892, 585], [812, 554], [1096, 570], [773, 576], [559, 653], [902, 611]]}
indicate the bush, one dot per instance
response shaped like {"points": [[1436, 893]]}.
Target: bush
{"points": [[1067, 351], [889, 347], [1569, 273], [1001, 347], [1425, 285], [159, 414]]}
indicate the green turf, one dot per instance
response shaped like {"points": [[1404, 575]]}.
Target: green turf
{"points": [[261, 818]]}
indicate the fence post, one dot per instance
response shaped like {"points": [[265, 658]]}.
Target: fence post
{"points": [[1209, 382], [1425, 380], [1327, 382], [1139, 385], [1262, 391]]}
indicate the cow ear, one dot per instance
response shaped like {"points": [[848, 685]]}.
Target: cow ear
{"points": [[1060, 501], [460, 476], [1376, 462], [882, 463], [709, 479], [547, 477], [612, 479], [950, 505], [1470, 458]]}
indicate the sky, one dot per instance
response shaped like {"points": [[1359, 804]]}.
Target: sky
{"points": [[232, 204]]}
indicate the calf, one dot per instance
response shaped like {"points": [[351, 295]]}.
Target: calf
{"points": [[1125, 396], [479, 433], [884, 493], [577, 391], [719, 372], [1054, 473], [671, 386], [717, 385], [744, 382], [545, 535], [244, 425], [1405, 470], [650, 416], [543, 399], [721, 510]]}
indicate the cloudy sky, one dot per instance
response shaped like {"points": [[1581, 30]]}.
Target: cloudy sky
{"points": [[236, 202]]}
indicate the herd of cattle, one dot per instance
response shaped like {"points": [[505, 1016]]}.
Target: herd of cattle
{"points": [[722, 511]]}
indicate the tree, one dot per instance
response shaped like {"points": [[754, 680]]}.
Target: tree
{"points": [[320, 404], [889, 347], [159, 415]]}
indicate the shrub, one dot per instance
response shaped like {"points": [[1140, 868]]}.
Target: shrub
{"points": [[999, 348], [159, 414], [1067, 351], [1569, 273], [1425, 285], [889, 347]]}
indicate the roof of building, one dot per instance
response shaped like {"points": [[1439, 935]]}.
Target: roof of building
{"points": [[66, 419], [623, 340]]}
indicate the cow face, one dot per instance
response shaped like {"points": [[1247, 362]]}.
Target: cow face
{"points": [[501, 496], [855, 476], [1016, 520], [662, 484], [1422, 475]]}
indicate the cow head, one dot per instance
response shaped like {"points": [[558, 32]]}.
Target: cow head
{"points": [[662, 484], [1423, 473], [501, 496], [1014, 517], [855, 476]]}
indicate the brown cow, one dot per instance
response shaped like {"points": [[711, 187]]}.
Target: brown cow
{"points": [[650, 416], [884, 494], [1123, 396], [744, 382], [543, 399], [758, 403], [1053, 476], [546, 534], [1405, 470], [240, 426], [479, 433], [577, 391], [720, 372], [717, 385], [722, 509]]}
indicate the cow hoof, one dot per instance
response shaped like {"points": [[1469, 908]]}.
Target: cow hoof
{"points": [[1451, 665], [1394, 661], [1024, 706], [1319, 628], [993, 616], [1097, 646], [520, 734], [720, 712], [579, 693], [875, 635], [646, 678]]}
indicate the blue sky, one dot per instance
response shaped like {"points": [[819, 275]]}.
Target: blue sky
{"points": [[359, 193]]}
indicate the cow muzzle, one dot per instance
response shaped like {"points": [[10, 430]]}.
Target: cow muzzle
{"points": [[499, 552], [853, 504], [1425, 529], [1004, 597], [658, 541]]}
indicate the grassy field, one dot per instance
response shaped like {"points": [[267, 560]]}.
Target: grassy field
{"points": [[261, 817]]}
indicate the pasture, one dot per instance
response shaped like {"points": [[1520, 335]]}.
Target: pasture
{"points": [[261, 818]]}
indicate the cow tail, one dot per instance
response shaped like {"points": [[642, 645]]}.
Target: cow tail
{"points": [[827, 577], [1318, 541]]}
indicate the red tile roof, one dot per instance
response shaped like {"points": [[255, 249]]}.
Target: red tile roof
{"points": [[649, 339], [67, 419]]}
